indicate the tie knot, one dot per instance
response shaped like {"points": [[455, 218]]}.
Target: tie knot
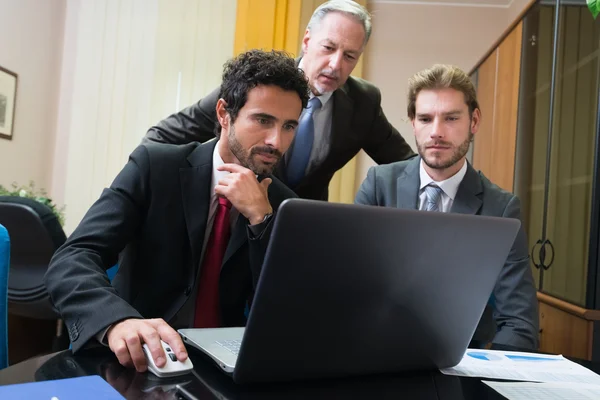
{"points": [[314, 104], [434, 197], [224, 202], [433, 191]]}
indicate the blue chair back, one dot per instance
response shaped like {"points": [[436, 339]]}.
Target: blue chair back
{"points": [[4, 267]]}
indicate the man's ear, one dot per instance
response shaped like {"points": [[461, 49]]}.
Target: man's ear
{"points": [[305, 41], [475, 121], [222, 114]]}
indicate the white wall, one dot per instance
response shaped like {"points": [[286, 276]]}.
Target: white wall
{"points": [[127, 65], [31, 33], [410, 37]]}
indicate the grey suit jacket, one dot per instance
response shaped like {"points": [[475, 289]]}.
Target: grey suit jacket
{"points": [[514, 302], [358, 122]]}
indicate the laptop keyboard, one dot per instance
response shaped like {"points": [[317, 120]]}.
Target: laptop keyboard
{"points": [[231, 345]]}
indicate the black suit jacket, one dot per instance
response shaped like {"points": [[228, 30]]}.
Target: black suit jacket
{"points": [[154, 218], [358, 122]]}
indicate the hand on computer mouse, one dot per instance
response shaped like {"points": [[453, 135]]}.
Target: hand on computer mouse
{"points": [[125, 339], [172, 367]]}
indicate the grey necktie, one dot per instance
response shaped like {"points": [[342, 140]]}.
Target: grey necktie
{"points": [[434, 198]]}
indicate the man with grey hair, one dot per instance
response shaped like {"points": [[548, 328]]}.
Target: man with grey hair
{"points": [[343, 116]]}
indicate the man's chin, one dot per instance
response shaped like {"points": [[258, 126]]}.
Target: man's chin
{"points": [[324, 89], [262, 169], [436, 163]]}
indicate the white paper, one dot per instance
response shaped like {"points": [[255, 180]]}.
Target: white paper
{"points": [[517, 366], [545, 391]]}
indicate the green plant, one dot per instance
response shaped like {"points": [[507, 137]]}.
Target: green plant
{"points": [[40, 195], [594, 7]]}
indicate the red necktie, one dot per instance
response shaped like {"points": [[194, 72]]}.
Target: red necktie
{"points": [[207, 300]]}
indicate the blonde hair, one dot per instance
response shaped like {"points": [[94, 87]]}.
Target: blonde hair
{"points": [[441, 76]]}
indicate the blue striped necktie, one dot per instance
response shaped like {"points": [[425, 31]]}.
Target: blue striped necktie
{"points": [[303, 143], [434, 198]]}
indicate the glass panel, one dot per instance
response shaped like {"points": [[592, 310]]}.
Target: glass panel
{"points": [[532, 129], [573, 146], [573, 141]]}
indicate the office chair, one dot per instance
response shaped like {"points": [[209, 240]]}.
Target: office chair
{"points": [[4, 266], [35, 235]]}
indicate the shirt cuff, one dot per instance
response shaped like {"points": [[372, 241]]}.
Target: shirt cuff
{"points": [[101, 336], [256, 231]]}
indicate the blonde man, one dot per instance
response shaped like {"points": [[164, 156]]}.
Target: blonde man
{"points": [[445, 115]]}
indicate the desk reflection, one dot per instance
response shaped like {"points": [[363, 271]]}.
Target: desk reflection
{"points": [[208, 382]]}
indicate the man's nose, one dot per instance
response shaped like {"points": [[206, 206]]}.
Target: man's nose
{"points": [[335, 61], [273, 138]]}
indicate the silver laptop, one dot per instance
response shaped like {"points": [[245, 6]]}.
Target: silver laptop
{"points": [[350, 290]]}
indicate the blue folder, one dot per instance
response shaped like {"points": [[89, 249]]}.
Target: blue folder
{"points": [[85, 387]]}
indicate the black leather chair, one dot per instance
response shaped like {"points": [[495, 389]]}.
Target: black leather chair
{"points": [[35, 235]]}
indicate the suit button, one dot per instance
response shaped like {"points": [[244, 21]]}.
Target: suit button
{"points": [[73, 333], [187, 291]]}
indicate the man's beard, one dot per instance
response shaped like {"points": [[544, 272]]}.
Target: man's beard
{"points": [[316, 87], [458, 154], [247, 159]]}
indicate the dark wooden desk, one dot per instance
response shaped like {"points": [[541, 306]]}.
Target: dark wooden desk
{"points": [[207, 382]]}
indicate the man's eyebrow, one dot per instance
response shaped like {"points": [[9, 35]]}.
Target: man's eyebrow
{"points": [[452, 112], [273, 118], [292, 121], [264, 115]]}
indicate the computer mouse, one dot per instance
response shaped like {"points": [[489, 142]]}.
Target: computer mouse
{"points": [[173, 367]]}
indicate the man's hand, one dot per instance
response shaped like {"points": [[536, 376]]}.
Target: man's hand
{"points": [[125, 339], [245, 193]]}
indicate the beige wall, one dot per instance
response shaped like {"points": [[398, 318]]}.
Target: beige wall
{"points": [[31, 46], [409, 37]]}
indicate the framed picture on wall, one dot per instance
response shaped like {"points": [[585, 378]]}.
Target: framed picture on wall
{"points": [[8, 98]]}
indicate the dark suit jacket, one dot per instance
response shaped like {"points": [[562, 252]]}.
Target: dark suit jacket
{"points": [[154, 217], [358, 122], [515, 304]]}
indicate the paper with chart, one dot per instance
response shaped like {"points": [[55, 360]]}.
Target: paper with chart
{"points": [[545, 391], [517, 366]]}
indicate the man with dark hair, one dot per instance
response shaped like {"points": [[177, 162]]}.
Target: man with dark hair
{"points": [[344, 113], [189, 224]]}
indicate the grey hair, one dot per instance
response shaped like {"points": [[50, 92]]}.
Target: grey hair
{"points": [[348, 7]]}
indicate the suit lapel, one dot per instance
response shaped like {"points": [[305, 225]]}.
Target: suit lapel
{"points": [[239, 236], [408, 183], [341, 121], [195, 192], [468, 197]]}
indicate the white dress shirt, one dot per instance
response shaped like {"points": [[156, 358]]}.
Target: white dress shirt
{"points": [[449, 187]]}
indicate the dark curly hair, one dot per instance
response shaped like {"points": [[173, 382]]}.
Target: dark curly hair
{"points": [[256, 67]]}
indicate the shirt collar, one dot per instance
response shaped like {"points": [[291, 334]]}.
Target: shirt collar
{"points": [[216, 174], [324, 98], [449, 186]]}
